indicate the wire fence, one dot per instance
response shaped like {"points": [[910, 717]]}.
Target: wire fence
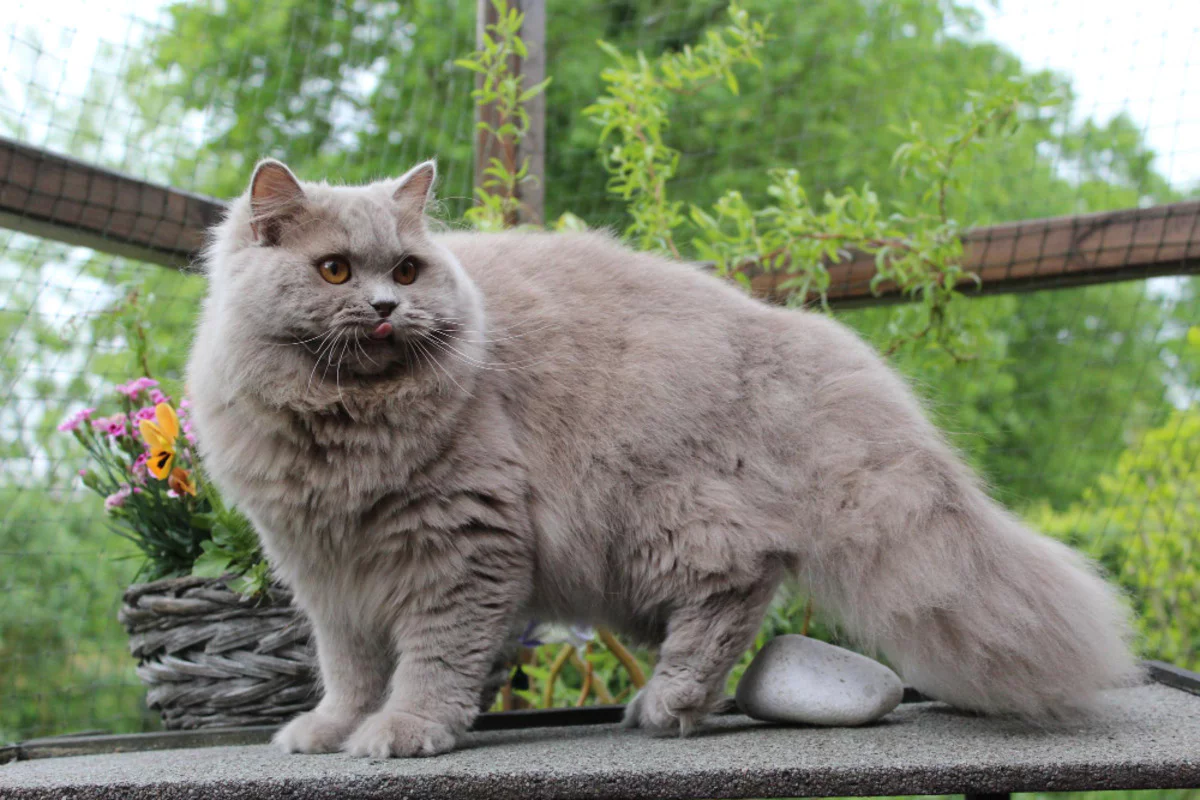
{"points": [[1079, 408]]}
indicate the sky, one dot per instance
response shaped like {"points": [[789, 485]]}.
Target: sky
{"points": [[1142, 57]]}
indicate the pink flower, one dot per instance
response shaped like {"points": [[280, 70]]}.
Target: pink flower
{"points": [[72, 422], [136, 387], [157, 397], [83, 473], [114, 426], [117, 498], [138, 468], [144, 413], [185, 404], [172, 493]]}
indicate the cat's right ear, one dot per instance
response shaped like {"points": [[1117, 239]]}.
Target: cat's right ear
{"points": [[275, 199]]}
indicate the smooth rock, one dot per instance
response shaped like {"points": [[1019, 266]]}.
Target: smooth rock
{"points": [[798, 679]]}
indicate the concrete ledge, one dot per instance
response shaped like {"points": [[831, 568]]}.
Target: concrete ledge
{"points": [[1147, 737]]}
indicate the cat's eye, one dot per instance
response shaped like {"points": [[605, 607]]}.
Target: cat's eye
{"points": [[334, 269], [406, 271]]}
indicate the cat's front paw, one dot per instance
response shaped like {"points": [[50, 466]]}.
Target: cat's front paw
{"points": [[665, 707], [396, 734], [314, 732]]}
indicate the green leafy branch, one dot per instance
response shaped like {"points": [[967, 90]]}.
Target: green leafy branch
{"points": [[505, 93], [633, 113], [917, 249]]}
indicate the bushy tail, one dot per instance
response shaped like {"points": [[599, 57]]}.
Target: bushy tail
{"points": [[968, 604]]}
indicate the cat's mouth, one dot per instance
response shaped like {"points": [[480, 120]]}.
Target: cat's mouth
{"points": [[381, 331]]}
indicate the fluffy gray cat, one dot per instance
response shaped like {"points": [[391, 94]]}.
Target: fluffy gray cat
{"points": [[439, 436]]}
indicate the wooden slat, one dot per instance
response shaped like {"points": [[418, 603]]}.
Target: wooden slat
{"points": [[1041, 254], [533, 69], [60, 198], [63, 199]]}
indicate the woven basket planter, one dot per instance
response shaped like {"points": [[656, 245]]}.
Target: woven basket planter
{"points": [[210, 658]]}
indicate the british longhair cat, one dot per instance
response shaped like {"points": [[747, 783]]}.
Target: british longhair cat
{"points": [[438, 436]]}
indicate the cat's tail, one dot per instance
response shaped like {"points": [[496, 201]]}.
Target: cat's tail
{"points": [[967, 603]]}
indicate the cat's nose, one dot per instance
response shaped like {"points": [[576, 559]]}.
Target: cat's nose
{"points": [[384, 307]]}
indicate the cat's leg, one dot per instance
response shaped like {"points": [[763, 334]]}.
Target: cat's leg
{"points": [[446, 650], [704, 640], [354, 673]]}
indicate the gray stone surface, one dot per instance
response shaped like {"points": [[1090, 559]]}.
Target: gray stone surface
{"points": [[1148, 737], [796, 679]]}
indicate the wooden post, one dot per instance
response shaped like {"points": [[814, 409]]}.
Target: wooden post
{"points": [[533, 70]]}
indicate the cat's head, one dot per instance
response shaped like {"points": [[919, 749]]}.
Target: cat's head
{"points": [[337, 285]]}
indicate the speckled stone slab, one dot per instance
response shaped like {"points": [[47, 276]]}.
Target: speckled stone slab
{"points": [[1145, 738]]}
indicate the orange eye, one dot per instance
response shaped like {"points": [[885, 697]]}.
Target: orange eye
{"points": [[334, 269], [406, 271]]}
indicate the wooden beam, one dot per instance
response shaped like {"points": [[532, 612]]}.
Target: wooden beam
{"points": [[1040, 254], [60, 198], [533, 69], [69, 201]]}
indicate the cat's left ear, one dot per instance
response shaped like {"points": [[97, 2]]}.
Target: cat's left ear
{"points": [[414, 189]]}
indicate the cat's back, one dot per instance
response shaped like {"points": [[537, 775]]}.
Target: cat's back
{"points": [[585, 270], [605, 298]]}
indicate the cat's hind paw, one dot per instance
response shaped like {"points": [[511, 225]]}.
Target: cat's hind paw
{"points": [[396, 734], [314, 732]]}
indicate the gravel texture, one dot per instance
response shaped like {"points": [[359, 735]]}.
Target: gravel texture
{"points": [[1147, 737]]}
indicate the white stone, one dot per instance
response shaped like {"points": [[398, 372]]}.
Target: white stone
{"points": [[798, 679]]}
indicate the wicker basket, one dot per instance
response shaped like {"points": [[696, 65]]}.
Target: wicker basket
{"points": [[213, 659]]}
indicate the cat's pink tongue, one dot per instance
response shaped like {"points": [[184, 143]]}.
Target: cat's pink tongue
{"points": [[383, 331]]}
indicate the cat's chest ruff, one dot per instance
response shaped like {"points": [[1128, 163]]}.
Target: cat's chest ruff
{"points": [[342, 467], [312, 468]]}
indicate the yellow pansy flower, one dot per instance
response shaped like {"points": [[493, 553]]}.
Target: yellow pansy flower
{"points": [[161, 433]]}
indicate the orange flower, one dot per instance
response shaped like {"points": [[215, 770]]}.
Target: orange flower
{"points": [[160, 434], [181, 482]]}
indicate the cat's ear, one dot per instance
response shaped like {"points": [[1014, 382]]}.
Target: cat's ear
{"points": [[414, 188], [275, 199]]}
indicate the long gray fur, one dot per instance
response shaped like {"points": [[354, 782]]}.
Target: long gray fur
{"points": [[563, 428]]}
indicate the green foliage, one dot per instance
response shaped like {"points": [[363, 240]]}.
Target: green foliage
{"points": [[232, 548], [66, 665], [1140, 521], [1061, 378], [351, 90], [497, 200], [917, 247], [635, 112], [575, 673]]}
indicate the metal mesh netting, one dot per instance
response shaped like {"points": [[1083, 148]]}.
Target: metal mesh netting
{"points": [[1079, 410]]}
